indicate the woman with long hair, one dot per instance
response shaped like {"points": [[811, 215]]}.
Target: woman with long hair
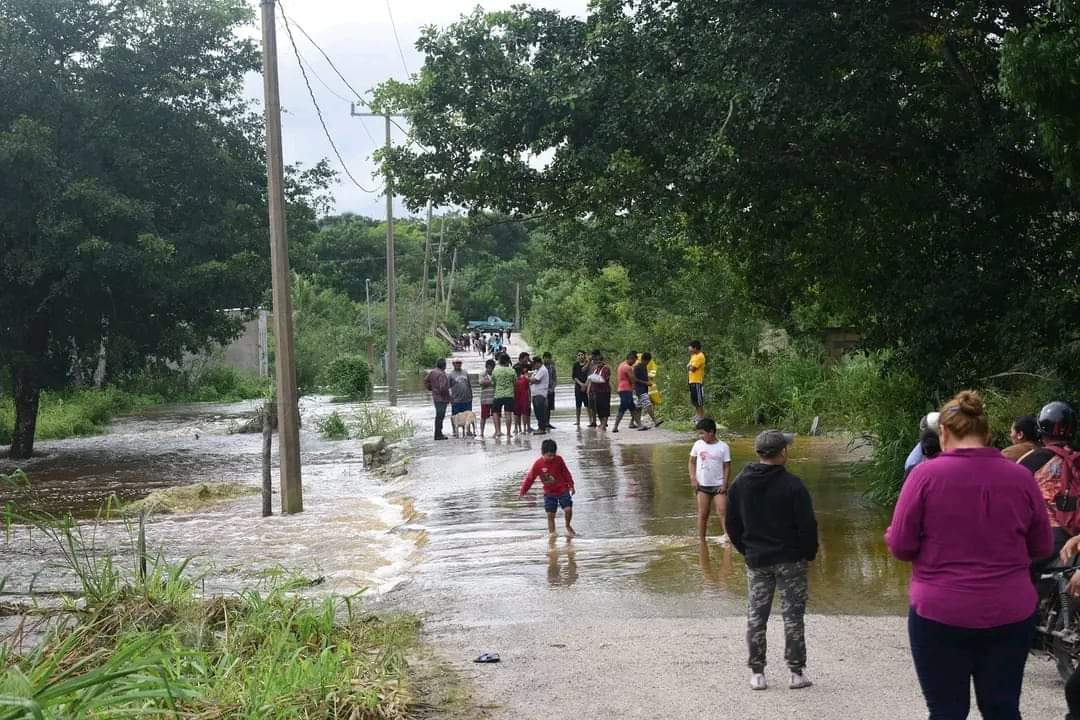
{"points": [[970, 522]]}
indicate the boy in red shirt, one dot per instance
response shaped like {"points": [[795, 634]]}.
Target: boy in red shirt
{"points": [[558, 485]]}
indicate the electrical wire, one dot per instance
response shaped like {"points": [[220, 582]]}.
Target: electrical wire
{"points": [[397, 40], [318, 110], [334, 67]]}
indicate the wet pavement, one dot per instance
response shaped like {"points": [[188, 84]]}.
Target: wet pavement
{"points": [[453, 537]]}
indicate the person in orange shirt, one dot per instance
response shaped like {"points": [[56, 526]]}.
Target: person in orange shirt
{"points": [[625, 374]]}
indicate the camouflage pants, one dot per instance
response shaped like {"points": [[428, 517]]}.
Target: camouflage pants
{"points": [[791, 577]]}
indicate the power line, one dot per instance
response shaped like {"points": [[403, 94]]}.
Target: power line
{"points": [[318, 110], [397, 40], [359, 97], [340, 97]]}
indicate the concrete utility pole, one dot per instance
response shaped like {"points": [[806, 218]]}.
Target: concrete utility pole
{"points": [[439, 278], [367, 293], [517, 307], [292, 496], [427, 256], [391, 276], [450, 285]]}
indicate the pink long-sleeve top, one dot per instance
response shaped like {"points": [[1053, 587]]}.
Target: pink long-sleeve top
{"points": [[971, 522]]}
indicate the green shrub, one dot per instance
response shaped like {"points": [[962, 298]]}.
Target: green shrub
{"points": [[332, 427], [349, 376], [430, 352], [380, 420]]}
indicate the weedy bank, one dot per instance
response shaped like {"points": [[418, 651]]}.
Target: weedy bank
{"points": [[150, 645]]}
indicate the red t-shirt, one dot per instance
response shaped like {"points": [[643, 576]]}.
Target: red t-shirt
{"points": [[561, 481], [626, 377]]}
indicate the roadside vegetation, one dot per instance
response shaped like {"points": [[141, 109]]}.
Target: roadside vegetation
{"points": [[78, 412], [153, 646], [367, 421]]}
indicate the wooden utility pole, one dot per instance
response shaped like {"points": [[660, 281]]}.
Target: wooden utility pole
{"points": [[517, 307], [391, 273], [427, 258], [292, 496]]}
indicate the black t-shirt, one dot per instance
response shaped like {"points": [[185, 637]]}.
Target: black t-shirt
{"points": [[581, 373], [641, 379], [1035, 459]]}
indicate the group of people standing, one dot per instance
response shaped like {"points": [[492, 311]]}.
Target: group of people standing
{"points": [[635, 385]]}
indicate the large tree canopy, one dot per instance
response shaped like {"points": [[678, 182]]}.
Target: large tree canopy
{"points": [[131, 184], [857, 156]]}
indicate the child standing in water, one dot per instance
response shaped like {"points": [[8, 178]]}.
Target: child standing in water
{"points": [[558, 485]]}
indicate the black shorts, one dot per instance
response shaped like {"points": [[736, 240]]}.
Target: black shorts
{"points": [[712, 489], [500, 404], [697, 394], [581, 398], [626, 401]]}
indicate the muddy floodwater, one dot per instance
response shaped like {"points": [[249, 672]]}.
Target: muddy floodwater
{"points": [[452, 536]]}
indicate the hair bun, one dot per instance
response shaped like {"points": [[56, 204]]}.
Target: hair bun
{"points": [[970, 403]]}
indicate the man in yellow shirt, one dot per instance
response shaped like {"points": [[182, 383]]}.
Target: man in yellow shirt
{"points": [[696, 370]]}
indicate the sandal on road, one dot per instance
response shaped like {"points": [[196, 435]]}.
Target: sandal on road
{"points": [[487, 658]]}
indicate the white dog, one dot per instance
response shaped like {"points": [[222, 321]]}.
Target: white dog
{"points": [[466, 421]]}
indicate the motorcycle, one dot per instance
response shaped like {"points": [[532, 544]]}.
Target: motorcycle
{"points": [[1057, 627]]}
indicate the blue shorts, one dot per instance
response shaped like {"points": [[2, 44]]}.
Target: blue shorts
{"points": [[554, 502], [626, 401], [456, 408]]}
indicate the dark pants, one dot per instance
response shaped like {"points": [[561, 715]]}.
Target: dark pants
{"points": [[948, 657], [1072, 696], [551, 406], [440, 417], [540, 411]]}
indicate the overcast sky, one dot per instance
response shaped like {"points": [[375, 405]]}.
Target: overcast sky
{"points": [[358, 37]]}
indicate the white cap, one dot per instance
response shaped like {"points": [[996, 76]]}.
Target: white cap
{"points": [[932, 421]]}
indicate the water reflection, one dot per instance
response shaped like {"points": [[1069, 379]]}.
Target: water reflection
{"points": [[636, 519], [562, 562]]}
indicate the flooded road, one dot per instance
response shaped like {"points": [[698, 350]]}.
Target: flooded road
{"points": [[453, 537]]}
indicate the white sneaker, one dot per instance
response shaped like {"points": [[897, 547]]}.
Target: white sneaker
{"points": [[723, 539], [758, 682], [800, 680]]}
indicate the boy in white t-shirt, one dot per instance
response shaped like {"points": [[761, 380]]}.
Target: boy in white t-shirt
{"points": [[710, 467]]}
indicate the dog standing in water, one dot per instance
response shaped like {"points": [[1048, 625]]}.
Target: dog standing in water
{"points": [[466, 422]]}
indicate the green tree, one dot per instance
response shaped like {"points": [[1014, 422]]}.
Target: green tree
{"points": [[131, 185], [855, 157]]}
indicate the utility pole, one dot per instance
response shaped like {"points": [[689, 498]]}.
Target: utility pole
{"points": [[367, 293], [292, 496], [450, 285], [439, 277], [427, 257], [391, 276], [517, 307]]}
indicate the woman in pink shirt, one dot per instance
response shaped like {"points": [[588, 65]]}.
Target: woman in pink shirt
{"points": [[970, 522]]}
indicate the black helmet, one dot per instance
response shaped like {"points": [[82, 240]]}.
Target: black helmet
{"points": [[1057, 420]]}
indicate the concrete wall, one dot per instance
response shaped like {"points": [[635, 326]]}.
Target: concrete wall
{"points": [[247, 353]]}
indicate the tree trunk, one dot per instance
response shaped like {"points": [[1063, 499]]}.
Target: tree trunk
{"points": [[28, 390]]}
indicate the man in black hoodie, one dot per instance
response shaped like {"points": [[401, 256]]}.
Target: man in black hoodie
{"points": [[770, 520]]}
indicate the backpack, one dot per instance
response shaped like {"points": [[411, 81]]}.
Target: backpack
{"points": [[1065, 476]]}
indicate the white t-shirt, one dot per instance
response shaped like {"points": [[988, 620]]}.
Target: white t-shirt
{"points": [[541, 386], [710, 462]]}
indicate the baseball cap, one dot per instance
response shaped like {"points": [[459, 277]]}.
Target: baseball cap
{"points": [[770, 442]]}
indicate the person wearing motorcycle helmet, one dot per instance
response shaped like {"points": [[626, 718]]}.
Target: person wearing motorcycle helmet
{"points": [[1056, 467], [1057, 425]]}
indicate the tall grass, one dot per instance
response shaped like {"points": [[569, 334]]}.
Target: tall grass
{"points": [[153, 647], [367, 421]]}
